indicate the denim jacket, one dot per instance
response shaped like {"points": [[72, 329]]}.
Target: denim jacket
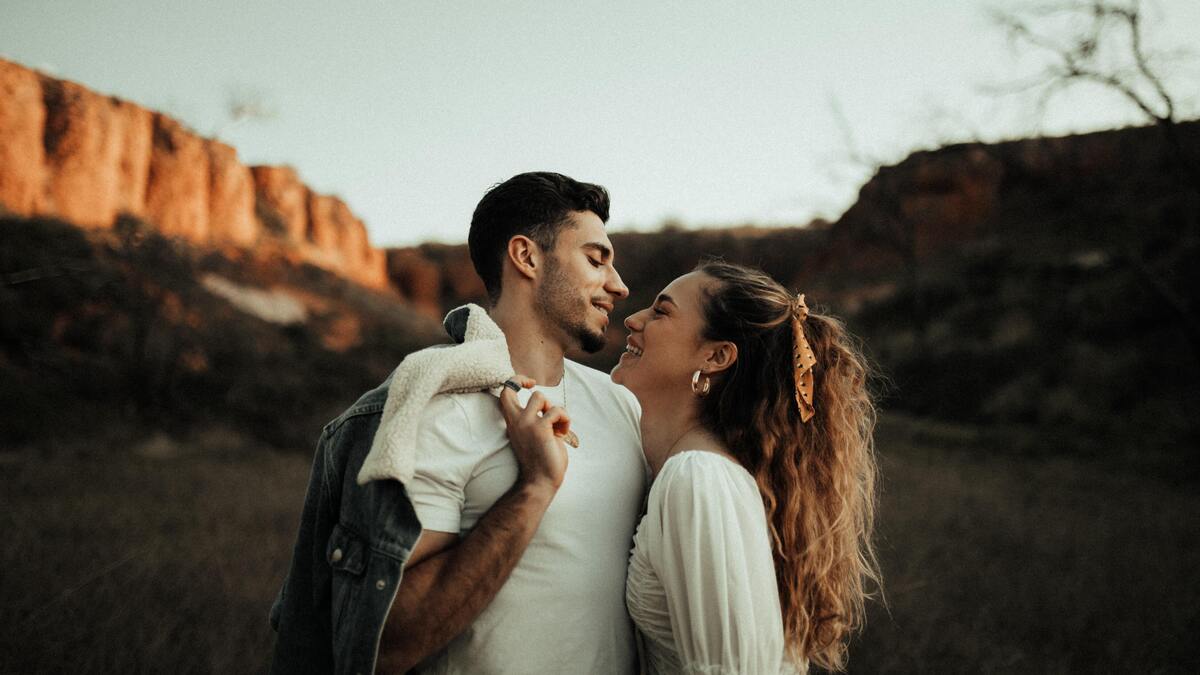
{"points": [[349, 554], [350, 551]]}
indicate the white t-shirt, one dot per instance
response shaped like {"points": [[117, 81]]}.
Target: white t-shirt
{"points": [[563, 608]]}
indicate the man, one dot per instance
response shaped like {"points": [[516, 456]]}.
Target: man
{"points": [[518, 566]]}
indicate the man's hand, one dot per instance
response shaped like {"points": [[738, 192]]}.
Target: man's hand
{"points": [[536, 433], [450, 580]]}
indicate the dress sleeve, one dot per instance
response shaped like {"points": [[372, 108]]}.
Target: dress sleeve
{"points": [[717, 570], [446, 456]]}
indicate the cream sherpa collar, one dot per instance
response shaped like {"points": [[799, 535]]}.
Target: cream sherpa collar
{"points": [[478, 363]]}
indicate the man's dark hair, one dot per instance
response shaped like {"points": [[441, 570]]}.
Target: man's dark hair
{"points": [[536, 205]]}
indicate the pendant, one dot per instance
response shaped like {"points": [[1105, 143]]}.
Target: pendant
{"points": [[569, 438]]}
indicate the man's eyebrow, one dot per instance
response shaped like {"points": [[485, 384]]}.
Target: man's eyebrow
{"points": [[604, 251]]}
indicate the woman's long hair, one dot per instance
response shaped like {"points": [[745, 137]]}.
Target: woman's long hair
{"points": [[817, 478]]}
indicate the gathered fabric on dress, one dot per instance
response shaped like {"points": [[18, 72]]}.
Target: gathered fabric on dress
{"points": [[701, 582]]}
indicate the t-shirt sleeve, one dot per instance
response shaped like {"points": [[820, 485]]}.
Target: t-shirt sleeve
{"points": [[445, 458], [717, 570]]}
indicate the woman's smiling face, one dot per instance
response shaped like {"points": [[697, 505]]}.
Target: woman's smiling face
{"points": [[665, 344]]}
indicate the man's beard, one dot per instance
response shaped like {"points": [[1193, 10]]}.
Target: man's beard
{"points": [[559, 305]]}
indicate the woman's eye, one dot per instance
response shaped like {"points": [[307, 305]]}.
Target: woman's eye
{"points": [[659, 312]]}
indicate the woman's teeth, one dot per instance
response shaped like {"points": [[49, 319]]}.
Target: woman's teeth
{"points": [[633, 350]]}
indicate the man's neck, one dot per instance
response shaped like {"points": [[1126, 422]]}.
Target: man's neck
{"points": [[534, 353]]}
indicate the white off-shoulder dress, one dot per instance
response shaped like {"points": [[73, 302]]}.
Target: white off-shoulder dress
{"points": [[701, 585]]}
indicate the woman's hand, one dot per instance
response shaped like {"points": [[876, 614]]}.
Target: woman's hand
{"points": [[536, 433]]}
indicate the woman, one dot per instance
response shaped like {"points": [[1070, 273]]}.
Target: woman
{"points": [[754, 553]]}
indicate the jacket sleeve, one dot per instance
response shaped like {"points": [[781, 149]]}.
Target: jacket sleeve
{"points": [[301, 612]]}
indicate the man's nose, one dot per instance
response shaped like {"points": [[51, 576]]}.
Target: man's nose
{"points": [[615, 286]]}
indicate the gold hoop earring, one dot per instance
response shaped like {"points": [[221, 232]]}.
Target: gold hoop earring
{"points": [[700, 388]]}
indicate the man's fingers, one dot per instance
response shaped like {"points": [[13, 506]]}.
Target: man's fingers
{"points": [[560, 421], [537, 404], [510, 408]]}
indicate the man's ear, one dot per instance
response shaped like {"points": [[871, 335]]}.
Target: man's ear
{"points": [[721, 356], [525, 255]]}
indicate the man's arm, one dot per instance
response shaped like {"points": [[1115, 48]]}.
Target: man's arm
{"points": [[443, 593]]}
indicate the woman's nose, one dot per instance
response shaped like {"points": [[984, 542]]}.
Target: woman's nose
{"points": [[634, 321]]}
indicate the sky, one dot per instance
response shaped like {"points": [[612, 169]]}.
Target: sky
{"points": [[705, 113]]}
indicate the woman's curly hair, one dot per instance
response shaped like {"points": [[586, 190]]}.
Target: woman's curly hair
{"points": [[817, 478]]}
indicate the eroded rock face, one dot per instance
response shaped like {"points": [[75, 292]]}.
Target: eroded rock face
{"points": [[280, 190], [338, 239], [135, 126], [22, 119], [363, 263], [322, 226], [231, 197], [71, 153], [83, 145], [373, 272], [177, 193]]}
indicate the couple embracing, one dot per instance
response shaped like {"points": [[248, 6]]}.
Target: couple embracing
{"points": [[476, 513]]}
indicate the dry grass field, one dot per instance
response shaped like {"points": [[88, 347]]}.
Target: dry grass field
{"points": [[1006, 565], [165, 560], [120, 563]]}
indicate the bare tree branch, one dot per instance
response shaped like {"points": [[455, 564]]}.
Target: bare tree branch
{"points": [[1115, 29], [244, 104], [1077, 58], [850, 143]]}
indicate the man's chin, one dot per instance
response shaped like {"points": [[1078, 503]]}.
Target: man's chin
{"points": [[591, 342]]}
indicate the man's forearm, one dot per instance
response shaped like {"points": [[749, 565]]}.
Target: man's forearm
{"points": [[440, 596]]}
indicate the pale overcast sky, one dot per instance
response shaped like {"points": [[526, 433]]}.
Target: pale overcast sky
{"points": [[707, 112]]}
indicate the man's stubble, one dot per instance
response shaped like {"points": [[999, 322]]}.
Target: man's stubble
{"points": [[559, 304]]}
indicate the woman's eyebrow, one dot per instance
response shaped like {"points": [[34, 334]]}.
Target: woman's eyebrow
{"points": [[663, 297]]}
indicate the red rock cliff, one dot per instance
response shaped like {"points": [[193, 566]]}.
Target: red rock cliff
{"points": [[68, 152]]}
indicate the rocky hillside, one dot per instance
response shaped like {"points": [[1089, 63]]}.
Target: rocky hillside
{"points": [[908, 214], [112, 337], [1045, 288], [1048, 287], [86, 158]]}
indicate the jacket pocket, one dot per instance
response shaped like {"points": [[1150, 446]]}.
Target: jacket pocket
{"points": [[347, 557]]}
